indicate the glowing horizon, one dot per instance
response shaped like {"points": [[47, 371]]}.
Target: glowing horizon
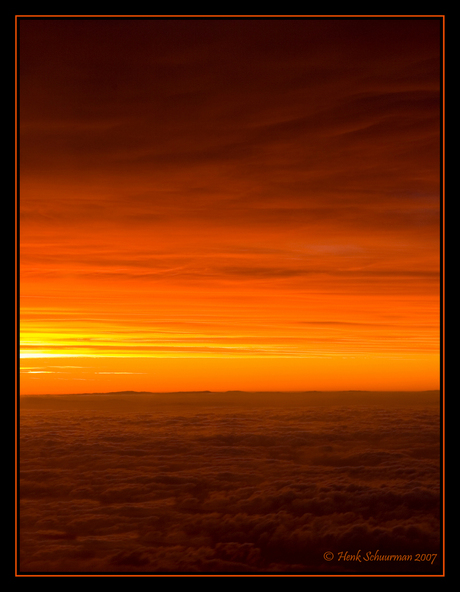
{"points": [[229, 204]]}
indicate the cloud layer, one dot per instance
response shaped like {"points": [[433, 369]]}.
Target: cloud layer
{"points": [[227, 489]]}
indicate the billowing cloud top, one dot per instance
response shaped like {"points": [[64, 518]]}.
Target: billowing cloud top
{"points": [[233, 484]]}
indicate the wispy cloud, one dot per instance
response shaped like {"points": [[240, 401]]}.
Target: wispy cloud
{"points": [[207, 174]]}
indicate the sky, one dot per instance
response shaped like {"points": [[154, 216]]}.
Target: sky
{"points": [[219, 204]]}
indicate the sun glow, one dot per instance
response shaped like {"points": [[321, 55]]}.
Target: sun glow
{"points": [[266, 222]]}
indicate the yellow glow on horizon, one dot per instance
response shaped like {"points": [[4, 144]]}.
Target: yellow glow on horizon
{"points": [[172, 374], [310, 249], [24, 354]]}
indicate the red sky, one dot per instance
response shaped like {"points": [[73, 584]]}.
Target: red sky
{"points": [[229, 204]]}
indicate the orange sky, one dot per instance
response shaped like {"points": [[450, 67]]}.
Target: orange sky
{"points": [[229, 204]]}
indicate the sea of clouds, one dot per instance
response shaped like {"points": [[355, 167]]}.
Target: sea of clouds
{"points": [[232, 489]]}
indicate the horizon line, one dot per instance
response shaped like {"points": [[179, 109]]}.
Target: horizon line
{"points": [[129, 392]]}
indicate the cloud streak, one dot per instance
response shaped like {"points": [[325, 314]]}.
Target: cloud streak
{"points": [[239, 169]]}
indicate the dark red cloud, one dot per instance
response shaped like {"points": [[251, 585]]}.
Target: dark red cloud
{"points": [[226, 489], [204, 115]]}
